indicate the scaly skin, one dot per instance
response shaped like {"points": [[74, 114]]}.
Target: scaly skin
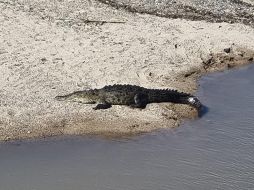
{"points": [[131, 95]]}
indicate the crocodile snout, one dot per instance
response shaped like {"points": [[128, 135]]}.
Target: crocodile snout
{"points": [[60, 98]]}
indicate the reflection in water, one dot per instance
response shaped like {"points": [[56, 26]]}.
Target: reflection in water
{"points": [[204, 110], [213, 152]]}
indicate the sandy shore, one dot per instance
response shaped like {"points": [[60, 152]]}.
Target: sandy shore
{"points": [[50, 48]]}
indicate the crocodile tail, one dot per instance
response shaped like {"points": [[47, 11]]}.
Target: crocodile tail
{"points": [[194, 101], [189, 99]]}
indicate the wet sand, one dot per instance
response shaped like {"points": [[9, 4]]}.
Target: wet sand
{"points": [[50, 48]]}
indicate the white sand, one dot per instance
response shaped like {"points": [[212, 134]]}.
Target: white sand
{"points": [[40, 59]]}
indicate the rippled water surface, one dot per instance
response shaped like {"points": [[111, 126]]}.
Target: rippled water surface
{"points": [[214, 152]]}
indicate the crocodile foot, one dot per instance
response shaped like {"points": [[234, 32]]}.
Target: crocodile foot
{"points": [[102, 106]]}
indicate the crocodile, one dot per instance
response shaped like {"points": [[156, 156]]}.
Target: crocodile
{"points": [[130, 95]]}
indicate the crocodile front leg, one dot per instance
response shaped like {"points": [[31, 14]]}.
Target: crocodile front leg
{"points": [[141, 100], [103, 105]]}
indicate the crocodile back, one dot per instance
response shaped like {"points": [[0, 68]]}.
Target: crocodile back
{"points": [[121, 94]]}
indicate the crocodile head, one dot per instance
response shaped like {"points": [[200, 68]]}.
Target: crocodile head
{"points": [[86, 97]]}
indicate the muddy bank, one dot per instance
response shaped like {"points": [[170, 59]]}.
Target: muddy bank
{"points": [[49, 48], [231, 11]]}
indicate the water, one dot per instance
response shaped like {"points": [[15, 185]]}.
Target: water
{"points": [[214, 152]]}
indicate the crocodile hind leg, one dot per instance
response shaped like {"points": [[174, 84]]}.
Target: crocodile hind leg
{"points": [[103, 105], [141, 100]]}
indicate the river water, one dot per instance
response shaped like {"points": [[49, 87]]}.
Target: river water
{"points": [[213, 152]]}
